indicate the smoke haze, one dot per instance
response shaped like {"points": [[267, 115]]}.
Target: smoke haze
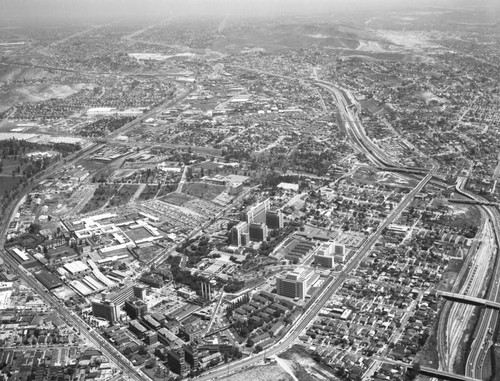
{"points": [[29, 10]]}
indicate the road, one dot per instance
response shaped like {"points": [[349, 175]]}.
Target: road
{"points": [[151, 114], [489, 318], [183, 179], [329, 287], [348, 109], [68, 316]]}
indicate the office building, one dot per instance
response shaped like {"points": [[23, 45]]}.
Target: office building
{"points": [[137, 328], [105, 309], [139, 292], [339, 253], [151, 337], [274, 220], [257, 232], [135, 308], [238, 234], [324, 255], [176, 361], [296, 284], [257, 214]]}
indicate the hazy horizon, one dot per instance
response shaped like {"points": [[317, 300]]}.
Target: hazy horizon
{"points": [[66, 10]]}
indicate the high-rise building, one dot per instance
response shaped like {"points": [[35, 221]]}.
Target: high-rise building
{"points": [[135, 308], [324, 255], [257, 232], [296, 284], [105, 309], [237, 233], [191, 355], [274, 220], [139, 292], [255, 223], [176, 361], [257, 214], [339, 253]]}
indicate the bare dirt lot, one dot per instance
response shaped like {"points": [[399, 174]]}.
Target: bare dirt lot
{"points": [[261, 373], [304, 367]]}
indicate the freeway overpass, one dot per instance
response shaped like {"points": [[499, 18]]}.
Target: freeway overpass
{"points": [[443, 375], [469, 299], [431, 372]]}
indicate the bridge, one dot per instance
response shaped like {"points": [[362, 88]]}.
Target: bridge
{"points": [[469, 299], [431, 372], [443, 375]]}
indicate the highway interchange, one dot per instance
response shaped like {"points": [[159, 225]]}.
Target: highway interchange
{"points": [[332, 284], [347, 109]]}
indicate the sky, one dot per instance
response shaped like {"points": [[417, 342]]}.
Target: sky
{"points": [[89, 9]]}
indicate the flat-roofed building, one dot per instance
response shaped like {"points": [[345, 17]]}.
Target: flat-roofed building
{"points": [[176, 361], [257, 232], [296, 284], [137, 328], [238, 234], [339, 253], [257, 214], [77, 269], [151, 337], [274, 219], [49, 280], [135, 308], [105, 309], [324, 255], [150, 322]]}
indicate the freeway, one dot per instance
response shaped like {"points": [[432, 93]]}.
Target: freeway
{"points": [[152, 113], [329, 287], [489, 319], [355, 131]]}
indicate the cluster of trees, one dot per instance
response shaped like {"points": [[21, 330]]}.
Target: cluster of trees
{"points": [[196, 251], [185, 277], [412, 373], [234, 285], [104, 126], [235, 153], [14, 148]]}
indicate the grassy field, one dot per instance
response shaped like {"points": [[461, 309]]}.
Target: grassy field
{"points": [[110, 195], [204, 191], [178, 199], [7, 183], [149, 192]]}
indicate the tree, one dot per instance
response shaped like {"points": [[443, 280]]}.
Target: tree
{"points": [[34, 228], [413, 372], [250, 343]]}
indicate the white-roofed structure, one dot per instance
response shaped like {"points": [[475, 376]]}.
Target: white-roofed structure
{"points": [[76, 268], [81, 288], [21, 254]]}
